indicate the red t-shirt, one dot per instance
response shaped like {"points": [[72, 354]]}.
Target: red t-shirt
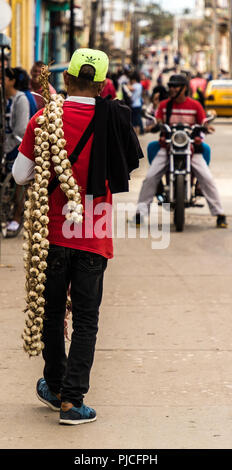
{"points": [[146, 84], [196, 83], [95, 233], [189, 112], [108, 89]]}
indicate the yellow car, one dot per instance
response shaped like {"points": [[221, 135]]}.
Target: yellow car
{"points": [[218, 96]]}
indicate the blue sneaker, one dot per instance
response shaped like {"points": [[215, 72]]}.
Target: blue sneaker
{"points": [[46, 396], [80, 415]]}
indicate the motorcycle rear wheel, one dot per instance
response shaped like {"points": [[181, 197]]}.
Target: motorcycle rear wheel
{"points": [[180, 198]]}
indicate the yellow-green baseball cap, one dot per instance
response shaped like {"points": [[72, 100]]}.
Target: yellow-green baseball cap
{"points": [[98, 59]]}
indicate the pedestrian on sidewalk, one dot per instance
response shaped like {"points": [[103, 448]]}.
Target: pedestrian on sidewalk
{"points": [[101, 167], [22, 84], [35, 85], [136, 90], [17, 117], [109, 89]]}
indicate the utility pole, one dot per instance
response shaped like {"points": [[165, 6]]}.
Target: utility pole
{"points": [[135, 35], [71, 29], [127, 17], [230, 38], [135, 41], [93, 20], [215, 40], [102, 33]]}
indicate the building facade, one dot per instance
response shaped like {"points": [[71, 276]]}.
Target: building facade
{"points": [[21, 32], [203, 37], [40, 30]]}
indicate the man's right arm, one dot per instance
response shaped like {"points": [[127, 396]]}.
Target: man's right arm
{"points": [[159, 118], [23, 169]]}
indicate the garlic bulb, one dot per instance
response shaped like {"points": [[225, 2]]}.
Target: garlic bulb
{"points": [[56, 159], [44, 184], [38, 131], [41, 120], [53, 138], [44, 209], [66, 165], [64, 187], [45, 155], [51, 106], [44, 232], [40, 288], [63, 154], [51, 128], [46, 165], [44, 146], [55, 149], [44, 244], [44, 135], [63, 178], [59, 169], [41, 277], [61, 143], [71, 181], [38, 150], [38, 140], [58, 122], [38, 322], [52, 117]]}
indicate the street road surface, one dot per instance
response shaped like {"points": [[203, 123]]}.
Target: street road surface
{"points": [[162, 376]]}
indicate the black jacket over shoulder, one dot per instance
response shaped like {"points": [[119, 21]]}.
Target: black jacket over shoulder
{"points": [[115, 151]]}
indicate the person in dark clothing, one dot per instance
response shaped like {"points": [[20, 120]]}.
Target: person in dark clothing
{"points": [[22, 81], [101, 168], [161, 90]]}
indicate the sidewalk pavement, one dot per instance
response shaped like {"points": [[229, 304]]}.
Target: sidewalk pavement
{"points": [[162, 376]]}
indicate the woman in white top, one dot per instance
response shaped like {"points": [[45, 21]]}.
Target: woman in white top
{"points": [[17, 117]]}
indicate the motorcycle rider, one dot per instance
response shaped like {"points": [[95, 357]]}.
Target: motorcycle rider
{"points": [[180, 108]]}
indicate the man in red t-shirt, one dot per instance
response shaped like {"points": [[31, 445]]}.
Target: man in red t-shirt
{"points": [[180, 108], [109, 90], [78, 252], [196, 83]]}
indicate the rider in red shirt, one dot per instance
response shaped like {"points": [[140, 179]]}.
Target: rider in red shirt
{"points": [[179, 108], [189, 112]]}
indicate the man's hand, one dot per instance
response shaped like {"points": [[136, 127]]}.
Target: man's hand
{"points": [[210, 129]]}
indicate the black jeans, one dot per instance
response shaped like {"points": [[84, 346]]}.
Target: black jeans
{"points": [[85, 271]]}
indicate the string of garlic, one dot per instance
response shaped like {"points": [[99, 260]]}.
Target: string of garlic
{"points": [[36, 249], [49, 145], [62, 165]]}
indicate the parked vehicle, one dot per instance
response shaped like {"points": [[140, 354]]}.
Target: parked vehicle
{"points": [[218, 96]]}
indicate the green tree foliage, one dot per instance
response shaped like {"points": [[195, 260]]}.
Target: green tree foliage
{"points": [[160, 22]]}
